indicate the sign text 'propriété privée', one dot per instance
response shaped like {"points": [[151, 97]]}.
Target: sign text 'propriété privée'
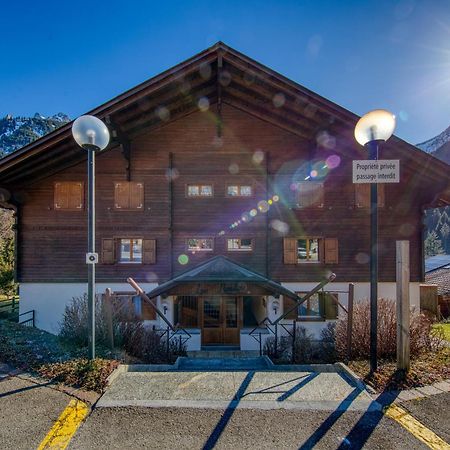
{"points": [[376, 171]]}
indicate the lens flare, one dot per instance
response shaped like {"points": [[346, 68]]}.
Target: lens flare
{"points": [[362, 258], [275, 198], [278, 225], [245, 217], [270, 201], [203, 104], [258, 157], [233, 169], [225, 78], [253, 212], [278, 100], [333, 161], [263, 206], [205, 71], [183, 259], [163, 113]]}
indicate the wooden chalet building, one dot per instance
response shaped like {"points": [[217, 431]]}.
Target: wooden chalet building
{"points": [[226, 189]]}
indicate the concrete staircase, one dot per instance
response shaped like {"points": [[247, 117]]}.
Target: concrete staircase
{"points": [[219, 363]]}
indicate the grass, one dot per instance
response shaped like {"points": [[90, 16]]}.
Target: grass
{"points": [[48, 355], [445, 328], [427, 368]]}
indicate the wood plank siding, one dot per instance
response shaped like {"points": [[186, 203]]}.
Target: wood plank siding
{"points": [[250, 151]]}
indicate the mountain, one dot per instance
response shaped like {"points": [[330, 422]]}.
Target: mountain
{"points": [[437, 220], [15, 132], [439, 146]]}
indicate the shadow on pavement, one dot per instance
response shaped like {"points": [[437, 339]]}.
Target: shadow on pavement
{"points": [[17, 391], [215, 435]]}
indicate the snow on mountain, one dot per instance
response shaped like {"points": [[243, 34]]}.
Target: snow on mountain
{"points": [[435, 143], [16, 132]]}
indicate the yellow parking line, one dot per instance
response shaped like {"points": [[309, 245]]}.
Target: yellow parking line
{"points": [[416, 428], [65, 427]]}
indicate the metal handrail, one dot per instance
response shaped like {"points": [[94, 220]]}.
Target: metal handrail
{"points": [[174, 328], [32, 320]]}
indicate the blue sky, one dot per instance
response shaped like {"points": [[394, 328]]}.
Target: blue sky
{"points": [[71, 56]]}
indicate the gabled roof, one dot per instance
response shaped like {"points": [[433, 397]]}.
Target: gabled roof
{"points": [[441, 277], [436, 262], [221, 269], [224, 76]]}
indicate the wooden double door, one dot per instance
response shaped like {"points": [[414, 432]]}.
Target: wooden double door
{"points": [[220, 319]]}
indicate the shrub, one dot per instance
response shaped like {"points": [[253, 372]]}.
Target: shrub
{"points": [[421, 336]]}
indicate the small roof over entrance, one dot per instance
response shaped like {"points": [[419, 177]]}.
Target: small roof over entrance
{"points": [[235, 278]]}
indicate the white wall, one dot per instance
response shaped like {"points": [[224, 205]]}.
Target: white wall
{"points": [[50, 299]]}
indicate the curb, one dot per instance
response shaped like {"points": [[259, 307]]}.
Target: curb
{"points": [[355, 378]]}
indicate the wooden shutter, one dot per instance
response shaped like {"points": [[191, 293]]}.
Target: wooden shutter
{"points": [[362, 195], [331, 251], [108, 251], [310, 195], [289, 303], [328, 305], [61, 196], [149, 251], [76, 195], [122, 195], [136, 196], [290, 250]]}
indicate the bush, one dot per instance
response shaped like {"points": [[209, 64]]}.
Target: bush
{"points": [[148, 345], [80, 372], [304, 349], [421, 336]]}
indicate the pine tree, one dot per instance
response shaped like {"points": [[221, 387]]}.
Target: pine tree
{"points": [[433, 245]]}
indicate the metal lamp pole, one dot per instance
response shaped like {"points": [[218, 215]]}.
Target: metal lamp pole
{"points": [[91, 250], [92, 135], [373, 155]]}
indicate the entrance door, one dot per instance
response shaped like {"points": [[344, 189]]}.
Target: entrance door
{"points": [[221, 320]]}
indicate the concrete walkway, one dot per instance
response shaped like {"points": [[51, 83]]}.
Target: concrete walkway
{"points": [[300, 387]]}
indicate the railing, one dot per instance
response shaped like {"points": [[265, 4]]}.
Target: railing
{"points": [[12, 305], [30, 322], [171, 331], [268, 324]]}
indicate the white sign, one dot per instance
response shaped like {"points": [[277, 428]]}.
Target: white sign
{"points": [[91, 258], [379, 171]]}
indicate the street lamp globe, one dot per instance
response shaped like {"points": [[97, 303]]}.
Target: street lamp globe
{"points": [[376, 125], [90, 133]]}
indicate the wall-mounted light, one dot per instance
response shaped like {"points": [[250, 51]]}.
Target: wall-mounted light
{"points": [[275, 306], [165, 307]]}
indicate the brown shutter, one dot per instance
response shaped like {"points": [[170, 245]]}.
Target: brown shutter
{"points": [[288, 304], [329, 305], [75, 192], [290, 250], [61, 196], [136, 195], [148, 312], [108, 251], [381, 196], [149, 251], [331, 251], [318, 195], [362, 195], [122, 195]]}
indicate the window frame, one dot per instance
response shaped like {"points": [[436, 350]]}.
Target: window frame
{"points": [[192, 250], [129, 208], [320, 250], [118, 244], [199, 185], [312, 317], [246, 250], [239, 186]]}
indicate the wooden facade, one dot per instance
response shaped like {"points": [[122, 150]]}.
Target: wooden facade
{"points": [[218, 119]]}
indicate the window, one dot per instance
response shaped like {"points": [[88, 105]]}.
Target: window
{"points": [[362, 195], [307, 250], [69, 195], [310, 194], [311, 307], [320, 306], [199, 190], [310, 250], [239, 191], [130, 251], [195, 245], [237, 244], [129, 195]]}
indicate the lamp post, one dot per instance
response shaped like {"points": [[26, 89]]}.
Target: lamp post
{"points": [[91, 134], [373, 128]]}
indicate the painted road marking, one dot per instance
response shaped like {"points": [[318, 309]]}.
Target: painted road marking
{"points": [[65, 427], [416, 428]]}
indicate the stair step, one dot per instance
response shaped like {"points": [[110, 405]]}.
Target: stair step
{"points": [[212, 364], [223, 354]]}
